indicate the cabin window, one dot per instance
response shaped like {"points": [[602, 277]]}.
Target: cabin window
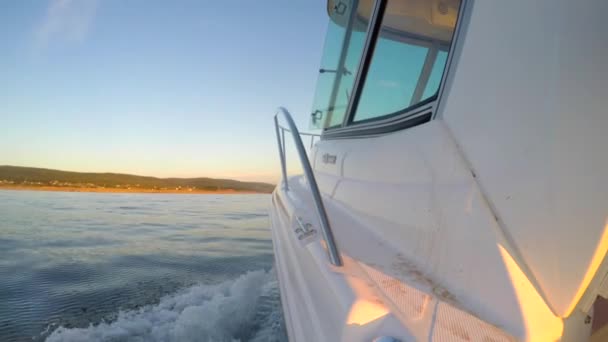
{"points": [[395, 70], [409, 58], [344, 43], [391, 80]]}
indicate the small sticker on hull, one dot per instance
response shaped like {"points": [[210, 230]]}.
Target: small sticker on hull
{"points": [[329, 158]]}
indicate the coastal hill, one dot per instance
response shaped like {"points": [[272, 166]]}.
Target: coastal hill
{"points": [[16, 177]]}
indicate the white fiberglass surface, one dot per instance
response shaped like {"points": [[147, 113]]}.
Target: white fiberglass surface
{"points": [[527, 107], [497, 209], [427, 223]]}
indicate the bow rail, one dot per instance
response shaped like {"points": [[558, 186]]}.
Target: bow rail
{"points": [[332, 249]]}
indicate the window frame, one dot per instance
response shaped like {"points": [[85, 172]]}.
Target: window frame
{"points": [[414, 115]]}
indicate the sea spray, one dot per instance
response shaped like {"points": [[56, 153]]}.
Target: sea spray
{"points": [[244, 309]]}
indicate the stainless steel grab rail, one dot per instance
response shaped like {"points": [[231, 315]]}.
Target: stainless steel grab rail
{"points": [[332, 249]]}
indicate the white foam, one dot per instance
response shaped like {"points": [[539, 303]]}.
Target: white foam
{"points": [[225, 312]]}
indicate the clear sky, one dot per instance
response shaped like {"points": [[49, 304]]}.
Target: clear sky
{"points": [[160, 88]]}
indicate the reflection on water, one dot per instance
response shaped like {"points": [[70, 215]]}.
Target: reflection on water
{"points": [[75, 260]]}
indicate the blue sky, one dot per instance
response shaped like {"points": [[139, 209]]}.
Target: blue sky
{"points": [[161, 88]]}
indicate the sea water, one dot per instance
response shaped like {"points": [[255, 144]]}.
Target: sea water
{"points": [[136, 267]]}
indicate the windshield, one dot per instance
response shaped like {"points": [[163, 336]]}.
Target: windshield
{"points": [[406, 68]]}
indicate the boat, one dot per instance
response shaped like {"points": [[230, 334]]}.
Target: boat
{"points": [[457, 189]]}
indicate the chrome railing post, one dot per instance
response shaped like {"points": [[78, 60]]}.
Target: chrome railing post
{"points": [[332, 249], [281, 153], [284, 149]]}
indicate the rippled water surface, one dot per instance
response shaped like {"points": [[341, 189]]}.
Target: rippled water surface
{"points": [[136, 267]]}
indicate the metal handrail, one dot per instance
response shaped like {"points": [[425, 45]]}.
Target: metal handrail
{"points": [[311, 135], [332, 249]]}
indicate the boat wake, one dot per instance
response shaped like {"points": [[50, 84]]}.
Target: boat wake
{"points": [[245, 309]]}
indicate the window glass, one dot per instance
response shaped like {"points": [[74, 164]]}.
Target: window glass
{"points": [[325, 82], [344, 42], [390, 81], [433, 84], [345, 86], [409, 57]]}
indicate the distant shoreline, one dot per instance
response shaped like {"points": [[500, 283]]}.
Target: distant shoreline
{"points": [[130, 191], [38, 179]]}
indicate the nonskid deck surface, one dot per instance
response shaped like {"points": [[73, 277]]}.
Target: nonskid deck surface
{"points": [[395, 285], [378, 282], [402, 288]]}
